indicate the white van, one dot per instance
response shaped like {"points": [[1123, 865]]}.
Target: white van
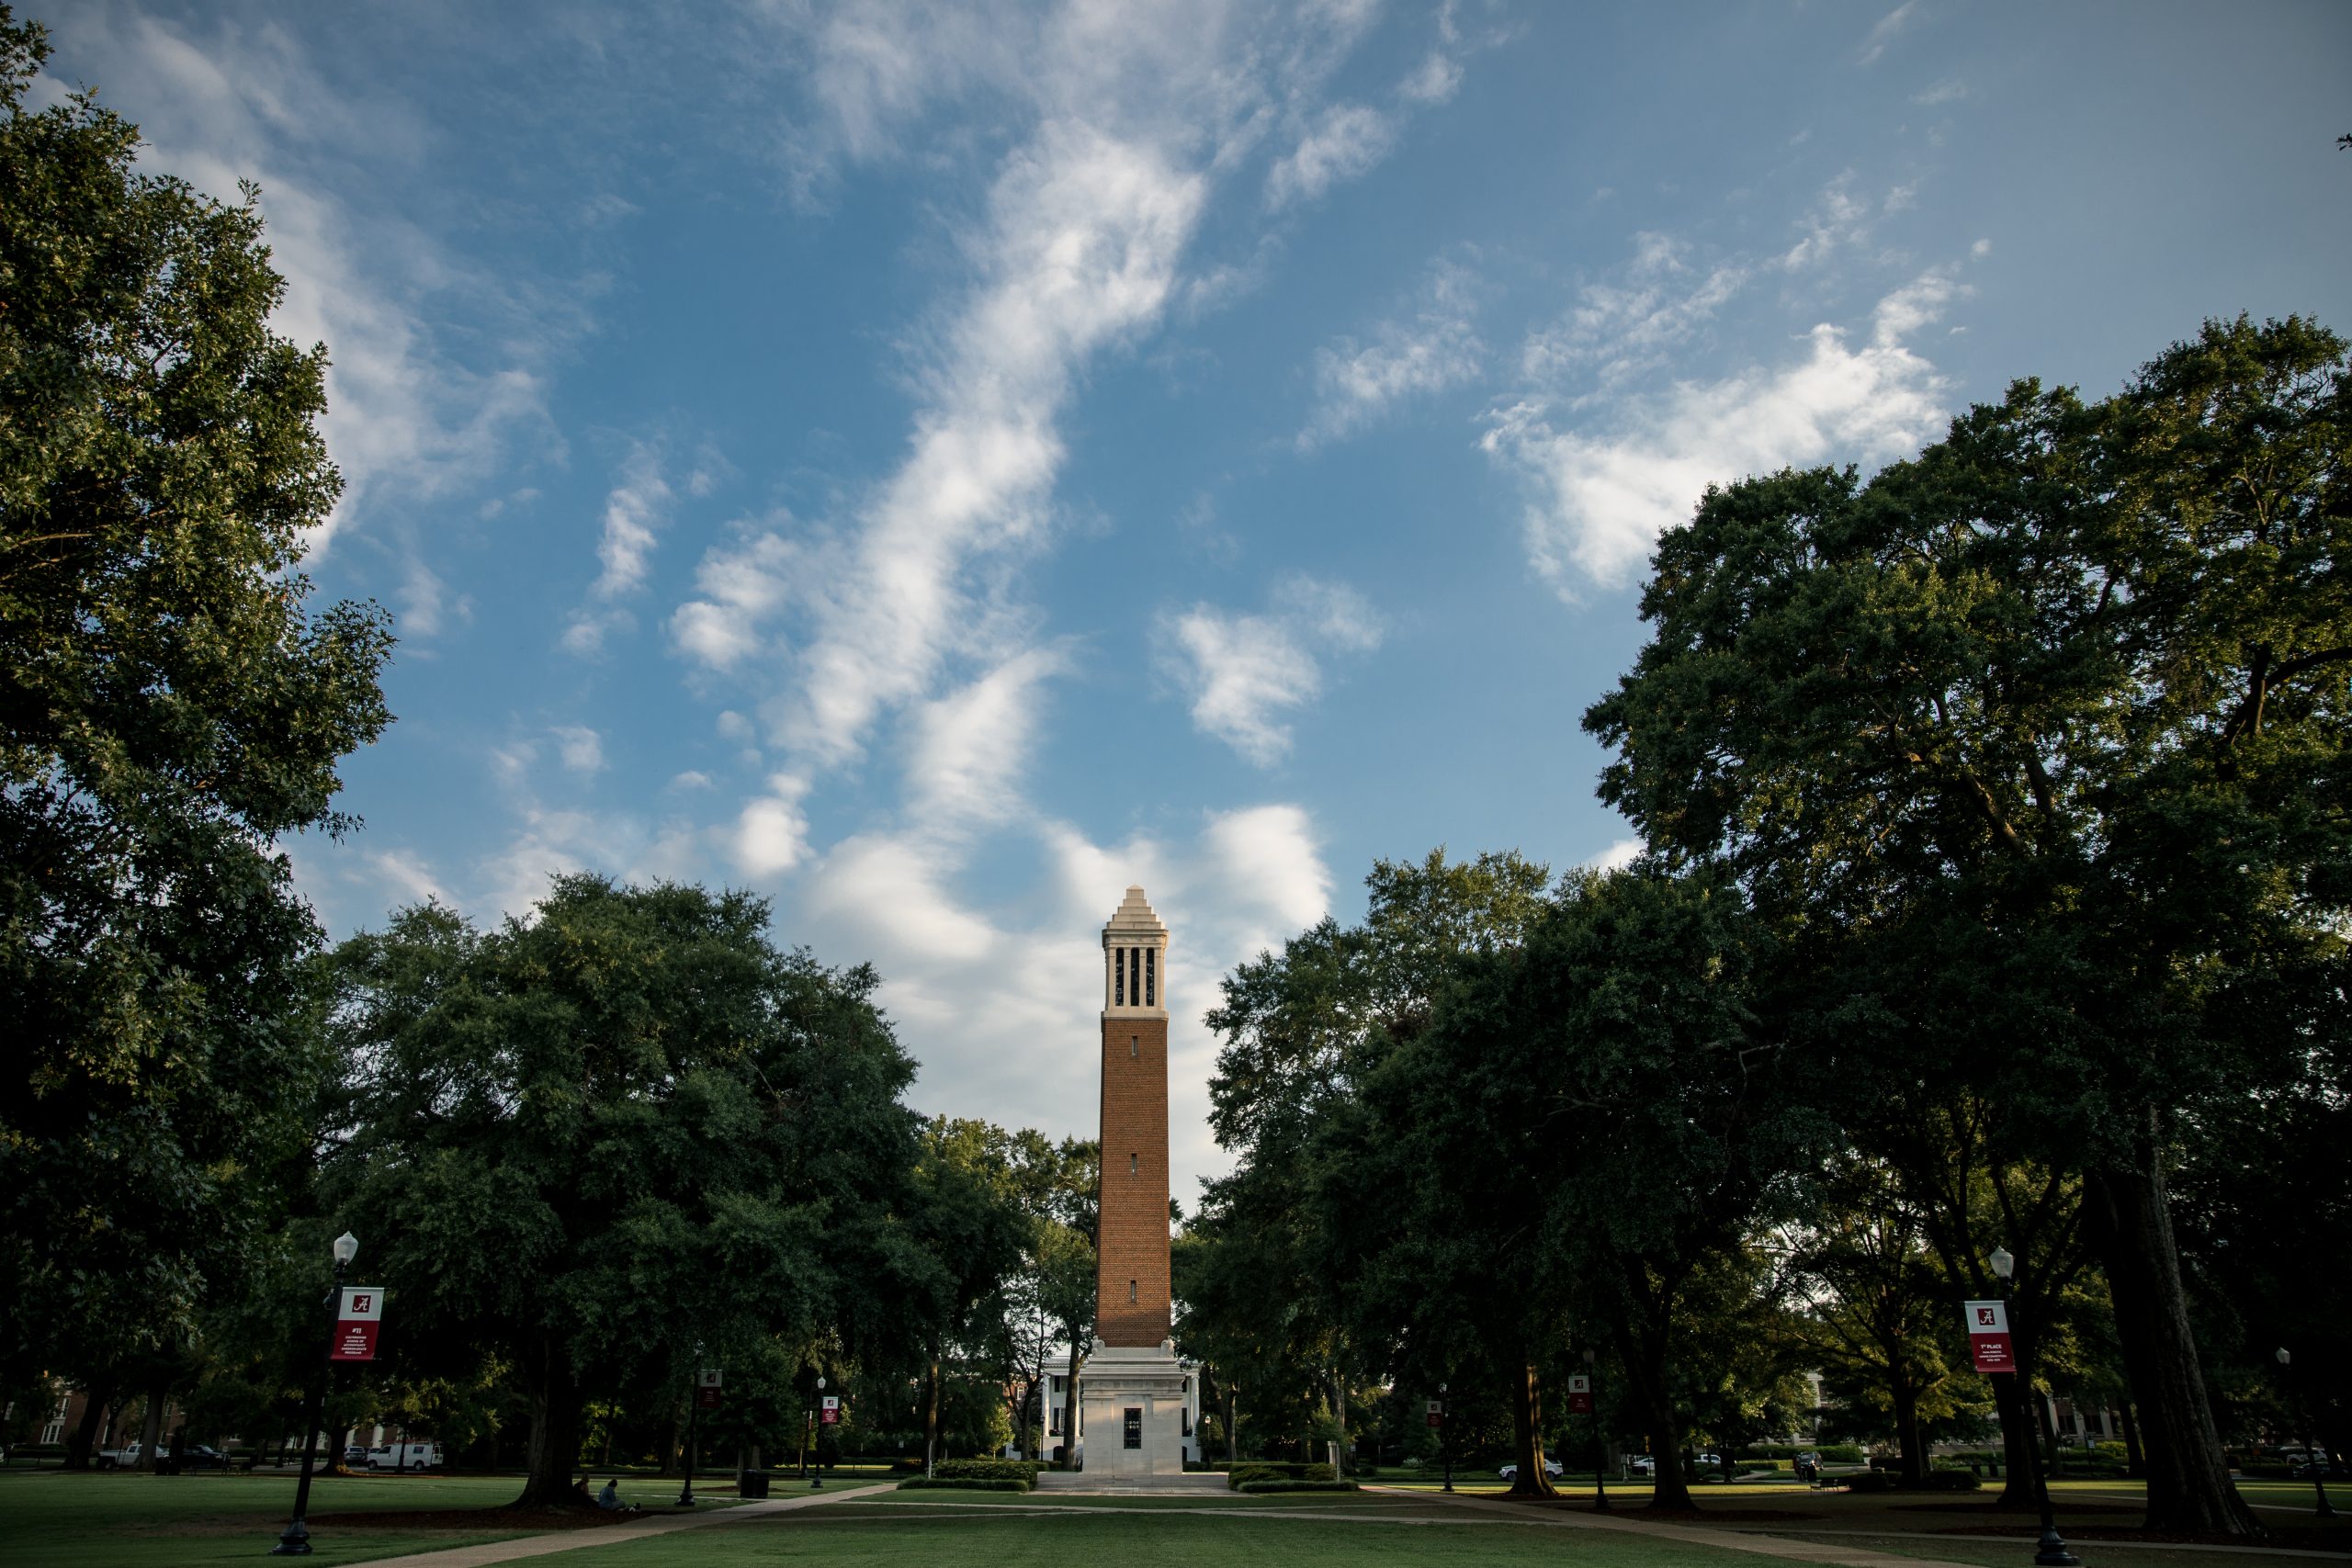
{"points": [[405, 1456]]}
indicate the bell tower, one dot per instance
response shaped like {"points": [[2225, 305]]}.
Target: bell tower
{"points": [[1131, 1390], [1131, 1284]]}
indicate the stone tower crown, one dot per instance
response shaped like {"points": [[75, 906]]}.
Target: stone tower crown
{"points": [[1134, 961]]}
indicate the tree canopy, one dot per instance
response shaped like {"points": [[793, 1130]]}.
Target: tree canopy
{"points": [[169, 710]]}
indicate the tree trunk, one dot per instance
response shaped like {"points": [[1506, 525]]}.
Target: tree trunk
{"points": [[150, 1429], [2009, 1398], [2135, 1463], [1914, 1460], [1526, 1396], [931, 1422], [85, 1435], [1340, 1414], [2189, 1480], [1069, 1408], [555, 1436], [1654, 1408], [666, 1451], [1228, 1428]]}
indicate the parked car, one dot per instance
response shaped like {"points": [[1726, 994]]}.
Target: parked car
{"points": [[354, 1453], [1640, 1464], [1552, 1467], [202, 1456], [123, 1457], [2319, 1469], [405, 1456]]}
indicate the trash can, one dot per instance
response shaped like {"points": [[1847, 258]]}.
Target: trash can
{"points": [[751, 1483]]}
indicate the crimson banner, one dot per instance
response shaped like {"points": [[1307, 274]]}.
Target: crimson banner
{"points": [[1988, 1336], [356, 1318]]}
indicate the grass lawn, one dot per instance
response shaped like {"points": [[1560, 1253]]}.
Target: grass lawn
{"points": [[167, 1521], [1008, 1530]]}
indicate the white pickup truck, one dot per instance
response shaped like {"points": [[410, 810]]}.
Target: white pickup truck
{"points": [[405, 1456]]}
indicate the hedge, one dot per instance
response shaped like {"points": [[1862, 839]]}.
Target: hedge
{"points": [[1260, 1487], [962, 1484], [1023, 1470], [1831, 1453], [1240, 1475], [1934, 1481]]}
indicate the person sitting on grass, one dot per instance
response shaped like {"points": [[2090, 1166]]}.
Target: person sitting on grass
{"points": [[609, 1498]]}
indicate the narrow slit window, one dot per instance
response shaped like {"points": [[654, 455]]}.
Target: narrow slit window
{"points": [[1151, 976], [1131, 1289], [1119, 971], [1134, 1046], [1132, 1166]]}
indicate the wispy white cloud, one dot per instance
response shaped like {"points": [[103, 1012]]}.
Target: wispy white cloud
{"points": [[635, 512], [1244, 674], [1885, 29], [1344, 141], [1435, 348], [1617, 856], [1631, 323], [581, 749], [1435, 80], [1603, 496], [1839, 218], [406, 416], [971, 745]]}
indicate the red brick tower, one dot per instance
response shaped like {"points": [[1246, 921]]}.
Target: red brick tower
{"points": [[1131, 1271]]}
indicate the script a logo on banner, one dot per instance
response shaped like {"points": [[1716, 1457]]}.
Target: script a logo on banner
{"points": [[1437, 1413], [1988, 1336], [358, 1315], [831, 1415], [1581, 1393]]}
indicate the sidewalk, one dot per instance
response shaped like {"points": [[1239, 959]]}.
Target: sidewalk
{"points": [[529, 1546]]}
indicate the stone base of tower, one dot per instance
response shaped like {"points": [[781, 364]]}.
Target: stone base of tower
{"points": [[1132, 1411]]}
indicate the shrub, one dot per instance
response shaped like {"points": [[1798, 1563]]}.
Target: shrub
{"points": [[987, 1470], [962, 1484], [1951, 1481], [1240, 1475], [1260, 1487]]}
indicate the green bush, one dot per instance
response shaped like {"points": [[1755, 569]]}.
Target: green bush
{"points": [[1240, 1475], [962, 1484], [1260, 1487], [1951, 1481], [1025, 1470]]}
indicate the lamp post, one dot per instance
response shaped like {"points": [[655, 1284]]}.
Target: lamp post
{"points": [[816, 1457], [2051, 1551], [1445, 1433], [693, 1402], [295, 1539], [2304, 1410], [1599, 1443]]}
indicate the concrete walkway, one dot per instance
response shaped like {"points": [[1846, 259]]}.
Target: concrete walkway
{"points": [[528, 1545], [1688, 1535]]}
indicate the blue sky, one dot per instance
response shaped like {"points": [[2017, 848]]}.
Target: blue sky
{"points": [[937, 466]]}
